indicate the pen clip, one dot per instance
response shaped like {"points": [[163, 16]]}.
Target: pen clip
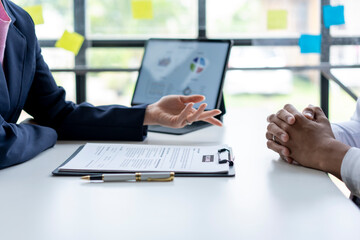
{"points": [[170, 178], [229, 160]]}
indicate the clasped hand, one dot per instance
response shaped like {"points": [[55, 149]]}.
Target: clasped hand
{"points": [[305, 138], [176, 111]]}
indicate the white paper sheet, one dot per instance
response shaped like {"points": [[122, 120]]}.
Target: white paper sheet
{"points": [[134, 157]]}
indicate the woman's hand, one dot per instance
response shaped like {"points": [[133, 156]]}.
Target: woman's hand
{"points": [[176, 111]]}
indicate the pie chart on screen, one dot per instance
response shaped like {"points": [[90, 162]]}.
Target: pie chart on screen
{"points": [[198, 65]]}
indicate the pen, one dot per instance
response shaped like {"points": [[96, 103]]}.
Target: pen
{"points": [[146, 176]]}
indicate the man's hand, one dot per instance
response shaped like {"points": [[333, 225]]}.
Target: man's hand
{"points": [[311, 141], [276, 131], [176, 111]]}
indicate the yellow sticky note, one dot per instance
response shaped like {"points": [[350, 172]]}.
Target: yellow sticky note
{"points": [[70, 41], [142, 9], [277, 19], [36, 13]]}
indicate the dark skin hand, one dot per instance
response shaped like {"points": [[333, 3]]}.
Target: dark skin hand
{"points": [[306, 138]]}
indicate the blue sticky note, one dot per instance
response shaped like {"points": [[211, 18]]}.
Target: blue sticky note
{"points": [[310, 43], [333, 15]]}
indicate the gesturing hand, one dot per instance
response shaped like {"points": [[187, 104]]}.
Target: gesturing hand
{"points": [[176, 111]]}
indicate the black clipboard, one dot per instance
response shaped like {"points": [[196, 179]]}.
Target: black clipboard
{"points": [[229, 160]]}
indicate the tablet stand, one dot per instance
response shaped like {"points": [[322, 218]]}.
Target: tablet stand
{"points": [[221, 108]]}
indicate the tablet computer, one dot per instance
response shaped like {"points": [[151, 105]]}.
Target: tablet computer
{"points": [[184, 67]]}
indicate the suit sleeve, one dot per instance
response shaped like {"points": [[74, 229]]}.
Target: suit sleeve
{"points": [[46, 103], [21, 142]]}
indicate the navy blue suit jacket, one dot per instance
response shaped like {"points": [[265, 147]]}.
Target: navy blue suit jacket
{"points": [[26, 83]]}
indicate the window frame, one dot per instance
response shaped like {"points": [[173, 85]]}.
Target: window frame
{"points": [[324, 67]]}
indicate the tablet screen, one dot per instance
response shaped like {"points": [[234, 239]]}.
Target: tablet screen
{"points": [[182, 67]]}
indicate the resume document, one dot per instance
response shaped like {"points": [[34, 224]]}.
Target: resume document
{"points": [[135, 157]]}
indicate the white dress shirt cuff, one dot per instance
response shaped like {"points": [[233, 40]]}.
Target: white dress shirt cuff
{"points": [[350, 170]]}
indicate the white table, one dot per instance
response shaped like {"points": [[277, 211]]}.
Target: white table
{"points": [[268, 199]]}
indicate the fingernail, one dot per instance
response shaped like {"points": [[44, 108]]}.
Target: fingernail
{"points": [[283, 152], [283, 137], [289, 119], [308, 114]]}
